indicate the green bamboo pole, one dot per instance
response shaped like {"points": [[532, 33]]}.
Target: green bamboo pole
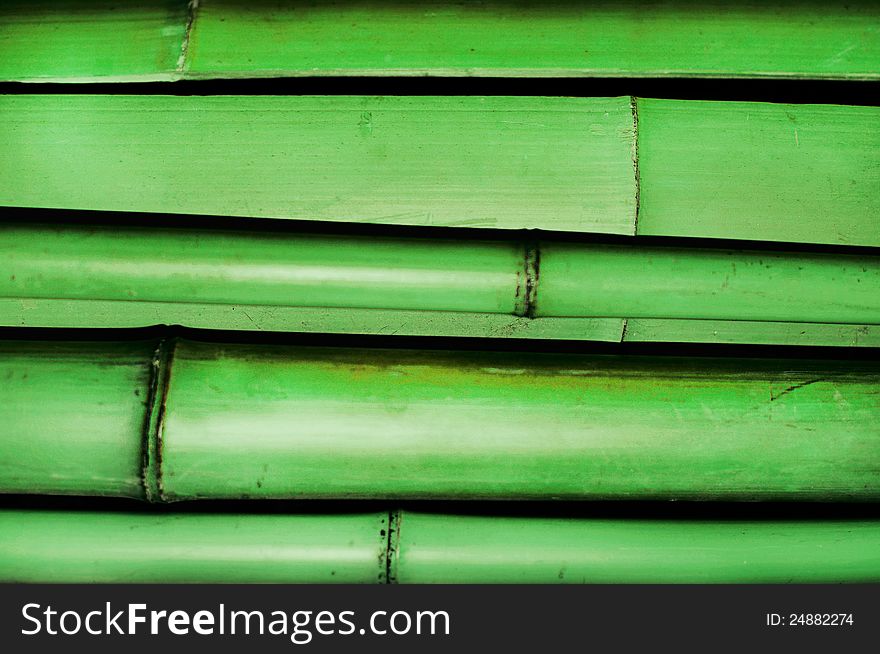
{"points": [[343, 423], [92, 547], [71, 418], [262, 268], [271, 422], [661, 282], [161, 40], [483, 549], [91, 40], [714, 38], [110, 547], [489, 277]]}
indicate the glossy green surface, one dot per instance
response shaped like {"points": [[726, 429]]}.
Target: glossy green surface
{"points": [[482, 549], [90, 40], [775, 172], [576, 280], [261, 268], [503, 162], [94, 547], [94, 40], [246, 421], [715, 38], [276, 422], [72, 417], [662, 282]]}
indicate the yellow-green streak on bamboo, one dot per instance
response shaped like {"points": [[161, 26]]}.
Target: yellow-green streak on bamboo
{"points": [[285, 422]]}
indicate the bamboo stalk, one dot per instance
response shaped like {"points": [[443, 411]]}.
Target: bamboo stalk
{"points": [[271, 422], [490, 277], [73, 417], [482, 549], [119, 547], [110, 547], [662, 282], [232, 38]]}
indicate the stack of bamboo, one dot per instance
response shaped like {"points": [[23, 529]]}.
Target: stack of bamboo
{"points": [[470, 297]]}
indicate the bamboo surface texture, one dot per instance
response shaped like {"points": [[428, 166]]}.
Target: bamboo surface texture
{"points": [[236, 421], [754, 171], [94, 40], [81, 547], [91, 546], [168, 420], [479, 549], [509, 162], [30, 312], [581, 282]]}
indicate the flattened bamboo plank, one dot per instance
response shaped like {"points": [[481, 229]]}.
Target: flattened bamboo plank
{"points": [[715, 38], [502, 162], [91, 314], [771, 172], [641, 330], [437, 548], [328, 320], [91, 40], [756, 171]]}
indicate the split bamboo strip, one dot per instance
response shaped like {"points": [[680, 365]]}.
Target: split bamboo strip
{"points": [[32, 312], [90, 314], [95, 40], [239, 421], [739, 332]]}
